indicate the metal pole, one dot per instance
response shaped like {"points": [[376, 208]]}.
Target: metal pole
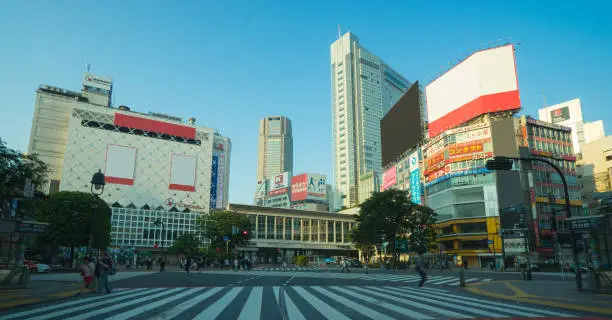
{"points": [[93, 223]]}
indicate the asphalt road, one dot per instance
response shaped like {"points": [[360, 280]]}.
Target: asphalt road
{"points": [[288, 295]]}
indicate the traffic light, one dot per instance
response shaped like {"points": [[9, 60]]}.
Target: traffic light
{"points": [[245, 233], [499, 163], [155, 245]]}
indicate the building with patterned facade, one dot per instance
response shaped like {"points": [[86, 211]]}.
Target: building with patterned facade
{"points": [[157, 168], [52, 112]]}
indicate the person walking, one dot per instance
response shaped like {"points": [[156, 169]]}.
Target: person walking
{"points": [[162, 264], [236, 266], [87, 275], [187, 264], [420, 268], [104, 268]]}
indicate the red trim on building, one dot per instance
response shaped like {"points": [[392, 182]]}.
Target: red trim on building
{"points": [[115, 180], [125, 120], [509, 100], [181, 187]]}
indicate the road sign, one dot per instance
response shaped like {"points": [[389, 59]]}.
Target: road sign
{"points": [[490, 241], [225, 238]]}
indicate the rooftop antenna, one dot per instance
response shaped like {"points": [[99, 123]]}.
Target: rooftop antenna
{"points": [[339, 32], [544, 99], [88, 66]]}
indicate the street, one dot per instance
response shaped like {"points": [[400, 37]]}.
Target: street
{"points": [[283, 295]]}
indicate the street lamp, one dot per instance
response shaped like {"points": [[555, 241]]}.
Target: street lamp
{"points": [[159, 223], [97, 188]]}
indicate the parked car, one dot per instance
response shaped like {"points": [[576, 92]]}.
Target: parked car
{"points": [[355, 263], [329, 261]]}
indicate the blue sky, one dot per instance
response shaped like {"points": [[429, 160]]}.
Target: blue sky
{"points": [[230, 63]]}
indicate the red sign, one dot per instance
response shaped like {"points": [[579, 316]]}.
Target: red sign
{"points": [[299, 187], [438, 174], [435, 159]]}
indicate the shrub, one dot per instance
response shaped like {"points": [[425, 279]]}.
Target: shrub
{"points": [[301, 261]]}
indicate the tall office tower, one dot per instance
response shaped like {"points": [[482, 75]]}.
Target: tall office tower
{"points": [[52, 113], [275, 153], [363, 89]]}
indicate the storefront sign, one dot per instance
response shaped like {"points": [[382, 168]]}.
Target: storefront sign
{"points": [[456, 150], [434, 148], [32, 227], [472, 135], [477, 156]]}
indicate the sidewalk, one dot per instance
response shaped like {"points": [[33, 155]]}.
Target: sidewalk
{"points": [[36, 291], [559, 294]]}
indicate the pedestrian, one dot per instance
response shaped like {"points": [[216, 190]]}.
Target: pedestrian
{"points": [[92, 269], [87, 275], [187, 264], [420, 268], [162, 264], [285, 265], [236, 264], [105, 268], [465, 264]]}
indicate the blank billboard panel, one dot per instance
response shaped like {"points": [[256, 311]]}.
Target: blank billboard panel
{"points": [[484, 82], [401, 128], [120, 164], [182, 172]]}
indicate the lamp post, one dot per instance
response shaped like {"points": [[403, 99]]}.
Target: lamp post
{"points": [[97, 188], [159, 223]]}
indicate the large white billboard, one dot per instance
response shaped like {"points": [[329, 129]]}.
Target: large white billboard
{"points": [[279, 184], [317, 187], [120, 164], [484, 82]]}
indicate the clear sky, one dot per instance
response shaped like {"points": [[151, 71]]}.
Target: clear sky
{"points": [[230, 63]]}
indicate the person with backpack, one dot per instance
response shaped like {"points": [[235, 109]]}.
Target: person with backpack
{"points": [[104, 268]]}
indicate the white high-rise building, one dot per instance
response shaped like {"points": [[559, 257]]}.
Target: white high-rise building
{"points": [[363, 89]]}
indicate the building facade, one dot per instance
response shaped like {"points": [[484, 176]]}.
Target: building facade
{"points": [[569, 114], [363, 88], [368, 184], [280, 234], [594, 168], [309, 192], [52, 112], [156, 169], [275, 149]]}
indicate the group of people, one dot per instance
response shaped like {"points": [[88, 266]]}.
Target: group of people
{"points": [[95, 273]]}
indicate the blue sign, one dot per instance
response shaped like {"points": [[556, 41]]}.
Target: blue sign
{"points": [[458, 174], [225, 238], [490, 241], [213, 181], [415, 186]]}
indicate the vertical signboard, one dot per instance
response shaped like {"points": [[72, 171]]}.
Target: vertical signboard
{"points": [[213, 181], [299, 187], [415, 178], [220, 181]]}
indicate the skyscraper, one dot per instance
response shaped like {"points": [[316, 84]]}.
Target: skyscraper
{"points": [[363, 89], [275, 153]]}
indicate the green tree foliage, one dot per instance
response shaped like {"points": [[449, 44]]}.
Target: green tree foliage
{"points": [[15, 168], [70, 214], [219, 224], [390, 216], [187, 244]]}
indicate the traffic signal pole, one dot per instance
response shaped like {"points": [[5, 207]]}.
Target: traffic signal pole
{"points": [[500, 163]]}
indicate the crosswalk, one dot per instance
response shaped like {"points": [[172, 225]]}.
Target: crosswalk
{"points": [[436, 280], [281, 302], [77, 277], [295, 268]]}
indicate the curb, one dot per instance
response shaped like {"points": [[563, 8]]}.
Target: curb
{"points": [[539, 300], [26, 302]]}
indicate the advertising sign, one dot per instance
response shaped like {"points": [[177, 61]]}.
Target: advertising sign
{"points": [[299, 187], [443, 176], [484, 82], [213, 181], [279, 184], [477, 156], [97, 82], [460, 149], [559, 115], [434, 148], [220, 182], [317, 189], [415, 178], [472, 135], [389, 179], [435, 159]]}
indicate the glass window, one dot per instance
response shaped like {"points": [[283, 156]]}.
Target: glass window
{"points": [[270, 227], [279, 228], [330, 231], [261, 229], [345, 229], [306, 229], [296, 229], [287, 228], [338, 230], [314, 231]]}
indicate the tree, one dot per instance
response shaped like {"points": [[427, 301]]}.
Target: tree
{"points": [[70, 214], [187, 244], [219, 224], [15, 169], [391, 217]]}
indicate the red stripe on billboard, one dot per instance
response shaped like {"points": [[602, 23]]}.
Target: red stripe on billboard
{"points": [[490, 103], [181, 187], [115, 180], [124, 120]]}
